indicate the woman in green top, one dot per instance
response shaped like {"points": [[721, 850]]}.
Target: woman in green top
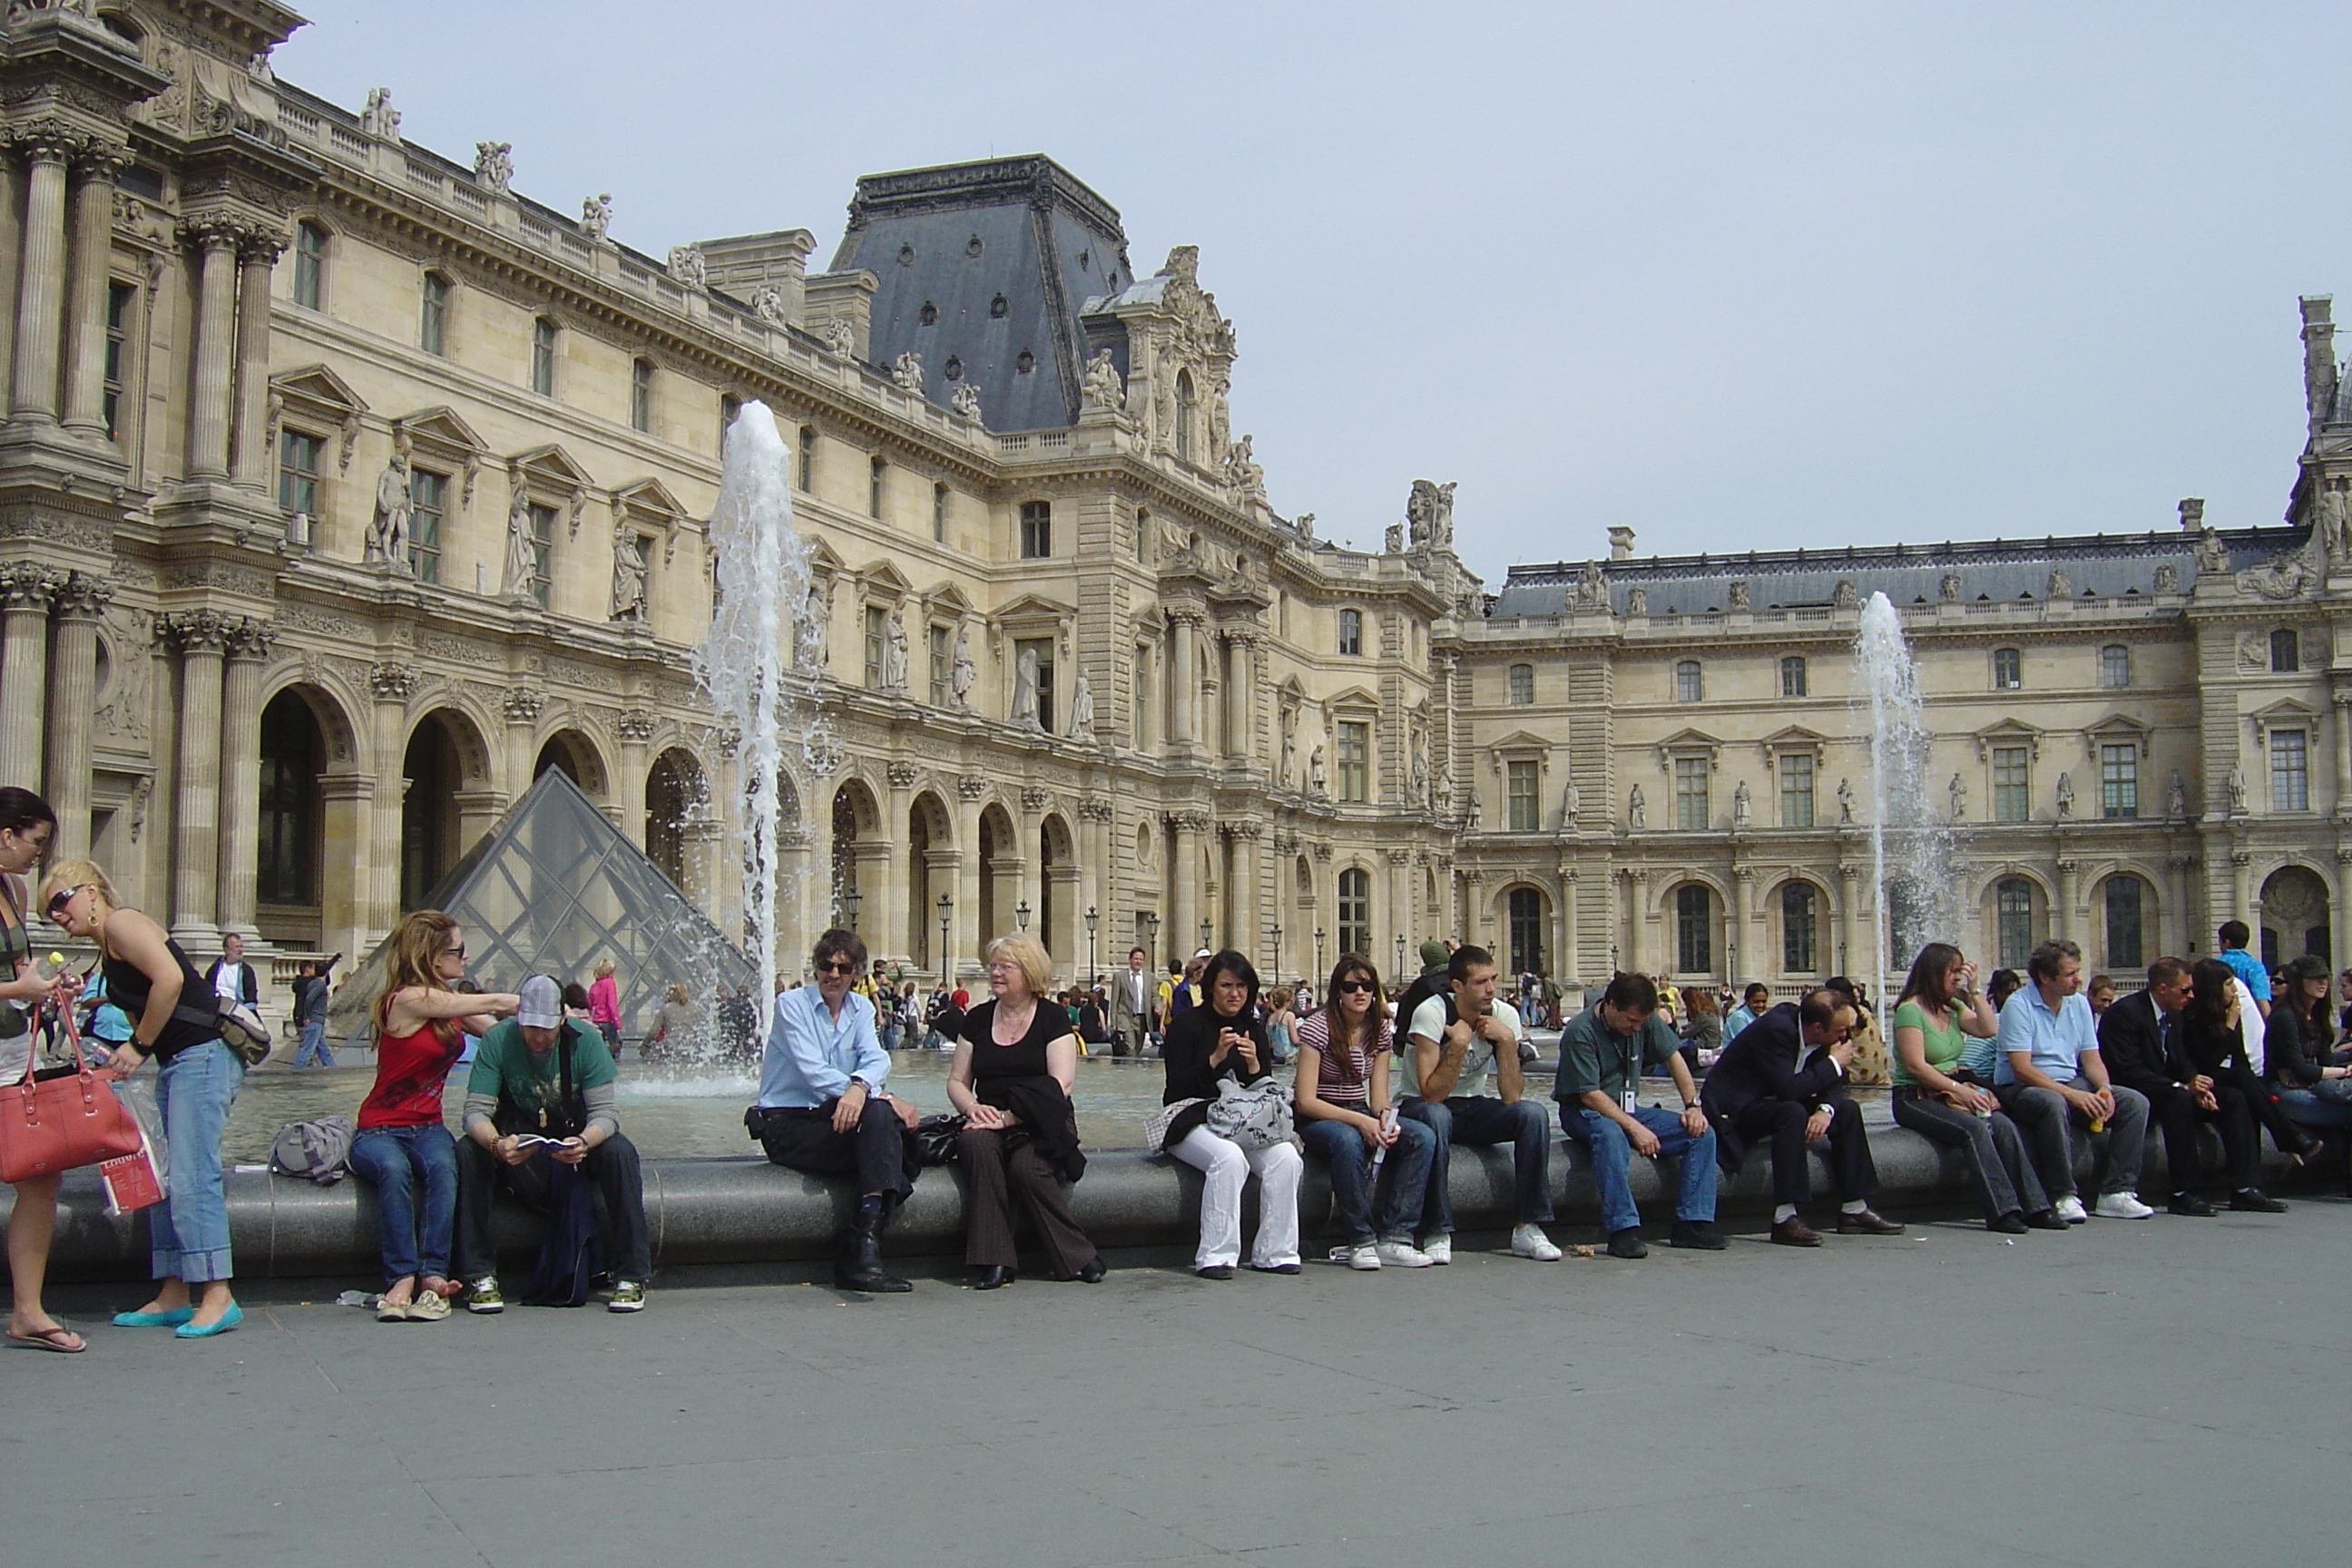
{"points": [[1939, 1099]]}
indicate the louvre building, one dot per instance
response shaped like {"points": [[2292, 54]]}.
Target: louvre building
{"points": [[344, 490]]}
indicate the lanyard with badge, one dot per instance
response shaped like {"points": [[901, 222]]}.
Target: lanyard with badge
{"points": [[1633, 1048]]}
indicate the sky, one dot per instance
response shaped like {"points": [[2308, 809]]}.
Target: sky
{"points": [[1739, 277]]}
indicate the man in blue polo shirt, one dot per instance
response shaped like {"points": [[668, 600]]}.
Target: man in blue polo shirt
{"points": [[2048, 1076], [2243, 964]]}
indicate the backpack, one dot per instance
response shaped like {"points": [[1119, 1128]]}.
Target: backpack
{"points": [[240, 1028], [318, 1151]]}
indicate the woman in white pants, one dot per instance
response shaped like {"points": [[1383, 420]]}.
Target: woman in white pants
{"points": [[1225, 1039]]}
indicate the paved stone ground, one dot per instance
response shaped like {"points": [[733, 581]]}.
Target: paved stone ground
{"points": [[2164, 1392]]}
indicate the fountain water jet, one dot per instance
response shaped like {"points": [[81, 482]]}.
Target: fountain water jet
{"points": [[1910, 849]]}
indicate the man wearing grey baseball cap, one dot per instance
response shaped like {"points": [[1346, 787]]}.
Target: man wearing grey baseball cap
{"points": [[541, 1095]]}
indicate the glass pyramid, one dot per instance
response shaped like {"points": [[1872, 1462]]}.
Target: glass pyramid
{"points": [[551, 889]]}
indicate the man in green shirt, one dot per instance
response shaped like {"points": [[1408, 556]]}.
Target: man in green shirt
{"points": [[1601, 1054], [541, 1095]]}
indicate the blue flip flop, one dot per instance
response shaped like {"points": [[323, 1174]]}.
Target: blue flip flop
{"points": [[168, 1319], [221, 1325]]}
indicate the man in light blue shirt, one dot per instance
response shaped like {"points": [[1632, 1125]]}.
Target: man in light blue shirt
{"points": [[1754, 1003], [824, 1108], [2243, 964], [2048, 1076]]}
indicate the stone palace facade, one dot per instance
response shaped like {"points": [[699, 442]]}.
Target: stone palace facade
{"points": [[343, 489]]}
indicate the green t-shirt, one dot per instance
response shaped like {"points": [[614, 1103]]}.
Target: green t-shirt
{"points": [[1941, 1046], [504, 1064], [1592, 1057]]}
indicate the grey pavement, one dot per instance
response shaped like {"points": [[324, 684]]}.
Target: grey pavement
{"points": [[2154, 1392]]}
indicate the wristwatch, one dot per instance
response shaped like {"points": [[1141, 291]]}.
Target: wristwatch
{"points": [[861, 1083]]}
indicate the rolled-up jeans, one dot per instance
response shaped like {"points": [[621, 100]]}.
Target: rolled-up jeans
{"points": [[1364, 1210], [188, 1231], [415, 1173]]}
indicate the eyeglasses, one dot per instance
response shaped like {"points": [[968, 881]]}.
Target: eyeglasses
{"points": [[1352, 986], [457, 951], [1001, 967], [836, 967]]}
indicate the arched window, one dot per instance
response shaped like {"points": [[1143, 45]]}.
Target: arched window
{"points": [[1186, 400], [1693, 929], [2127, 901], [2013, 922], [2286, 652], [1793, 675], [1527, 907], [2114, 666], [1523, 685], [2008, 670], [1799, 921], [310, 266], [433, 326], [1356, 910], [1690, 685]]}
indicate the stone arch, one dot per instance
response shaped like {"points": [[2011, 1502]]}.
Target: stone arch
{"points": [[677, 817], [445, 804], [2011, 929], [930, 874], [856, 820], [1057, 924], [999, 871], [1694, 928], [572, 751], [2295, 917], [1799, 940], [1525, 909], [305, 824]]}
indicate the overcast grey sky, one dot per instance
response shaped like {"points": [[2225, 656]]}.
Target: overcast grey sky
{"points": [[1740, 276]]}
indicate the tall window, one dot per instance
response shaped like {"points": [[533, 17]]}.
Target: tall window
{"points": [[940, 513], [2114, 666], [1141, 686], [1694, 928], [1523, 685], [942, 666], [1799, 911], [298, 471], [2290, 771], [1520, 778], [808, 458], [542, 357], [2012, 784], [288, 862], [1690, 685], [1526, 931], [1793, 675], [1690, 791], [2012, 904], [1143, 533], [1044, 648], [1356, 910], [874, 472], [641, 395], [120, 298], [729, 405], [542, 552], [2119, 781], [428, 494], [2286, 652], [1186, 403], [433, 327], [1351, 631], [2008, 670], [1036, 530], [878, 634], [1355, 760], [310, 266], [2123, 923], [1797, 790]]}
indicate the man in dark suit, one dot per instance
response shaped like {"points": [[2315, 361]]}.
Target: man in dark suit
{"points": [[2139, 1040], [1763, 1087], [1133, 993]]}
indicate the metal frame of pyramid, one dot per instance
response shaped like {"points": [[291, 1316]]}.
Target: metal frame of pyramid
{"points": [[553, 886]]}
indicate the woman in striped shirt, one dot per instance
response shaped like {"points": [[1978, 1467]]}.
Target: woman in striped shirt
{"points": [[1380, 1164]]}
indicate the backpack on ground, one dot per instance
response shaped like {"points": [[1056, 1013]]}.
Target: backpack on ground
{"points": [[317, 1151]]}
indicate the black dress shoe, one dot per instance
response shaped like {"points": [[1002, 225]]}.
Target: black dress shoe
{"points": [[1216, 1271], [1794, 1232], [2190, 1203], [2045, 1219], [1273, 1268], [1699, 1234], [1628, 1243], [2011, 1224], [995, 1277], [2253, 1200], [1092, 1274]]}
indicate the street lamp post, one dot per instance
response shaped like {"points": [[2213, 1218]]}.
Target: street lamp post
{"points": [[1398, 973], [1149, 920], [947, 907], [1021, 914], [850, 899], [1319, 949], [1094, 950], [1276, 932], [1208, 928]]}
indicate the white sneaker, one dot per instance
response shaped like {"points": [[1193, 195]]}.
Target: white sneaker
{"points": [[1404, 1254], [1529, 1241], [2070, 1209], [1438, 1248], [2121, 1205], [1366, 1257]]}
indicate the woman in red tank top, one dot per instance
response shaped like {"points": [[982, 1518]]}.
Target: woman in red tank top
{"points": [[402, 1147]]}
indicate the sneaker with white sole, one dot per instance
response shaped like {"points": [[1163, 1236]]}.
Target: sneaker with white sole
{"points": [[1529, 1241], [1404, 1254], [1365, 1257], [628, 1296], [1438, 1248], [2121, 1205], [483, 1296], [2070, 1209]]}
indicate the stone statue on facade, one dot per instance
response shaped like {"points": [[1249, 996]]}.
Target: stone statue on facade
{"points": [[817, 613], [841, 337], [1242, 470], [687, 268], [768, 304], [1637, 810], [1948, 589], [1637, 600], [494, 165], [1593, 587], [522, 547], [961, 672], [1477, 815], [2168, 578], [965, 401], [2066, 796], [1417, 778], [2333, 525], [1025, 690], [2212, 555], [1739, 595], [2060, 585], [387, 535], [1104, 387], [894, 655], [628, 575], [2237, 790], [1845, 595], [596, 217], [1739, 805], [1082, 708], [1845, 801], [906, 373], [1393, 540], [1289, 753], [380, 119], [1571, 806], [1429, 515], [2175, 797], [1959, 790], [1305, 524], [2284, 575], [1317, 779]]}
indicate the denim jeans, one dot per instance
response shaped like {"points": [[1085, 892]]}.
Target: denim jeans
{"points": [[314, 1045], [1360, 1212], [1613, 1155], [2003, 1177], [889, 1033], [1476, 1119], [2322, 1107], [2043, 1118], [407, 1164], [187, 1233]]}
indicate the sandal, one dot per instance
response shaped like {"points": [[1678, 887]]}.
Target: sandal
{"points": [[51, 1340]]}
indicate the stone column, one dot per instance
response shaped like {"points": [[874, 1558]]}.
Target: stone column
{"points": [[1743, 924], [392, 685], [1565, 961], [522, 711], [1095, 847], [201, 637], [963, 946], [41, 283], [73, 692], [1241, 701], [2339, 919], [1184, 885], [1400, 895], [2343, 770], [636, 729], [1185, 682], [93, 250], [1849, 919], [2066, 920], [211, 389], [25, 591], [894, 923], [240, 816], [2241, 894], [256, 255], [349, 802], [942, 864]]}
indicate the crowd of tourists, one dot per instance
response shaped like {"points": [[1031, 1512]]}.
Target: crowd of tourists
{"points": [[1385, 1087]]}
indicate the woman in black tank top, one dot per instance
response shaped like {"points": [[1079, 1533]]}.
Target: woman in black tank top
{"points": [[197, 1079], [27, 826]]}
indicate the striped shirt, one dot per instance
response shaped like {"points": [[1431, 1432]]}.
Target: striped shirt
{"points": [[1344, 1071]]}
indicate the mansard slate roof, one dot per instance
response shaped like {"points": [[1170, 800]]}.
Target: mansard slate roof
{"points": [[2099, 566], [961, 237]]}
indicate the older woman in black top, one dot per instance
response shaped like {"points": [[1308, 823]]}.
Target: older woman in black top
{"points": [[2210, 1035], [1224, 1038], [1015, 1063]]}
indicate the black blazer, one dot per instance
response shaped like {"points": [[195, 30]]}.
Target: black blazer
{"points": [[252, 986], [1191, 1036], [2132, 1044], [1760, 1064]]}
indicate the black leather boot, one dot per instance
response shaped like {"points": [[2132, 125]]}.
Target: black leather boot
{"points": [[859, 1267]]}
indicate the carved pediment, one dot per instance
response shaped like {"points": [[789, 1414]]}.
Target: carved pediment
{"points": [[2116, 730], [884, 581], [1688, 742], [2008, 732], [319, 388], [551, 465]]}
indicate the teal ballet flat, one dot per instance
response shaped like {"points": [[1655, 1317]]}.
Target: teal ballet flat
{"points": [[171, 1320], [227, 1320]]}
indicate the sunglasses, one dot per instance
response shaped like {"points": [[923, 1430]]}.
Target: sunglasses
{"points": [[457, 951], [1353, 985], [59, 901], [837, 969]]}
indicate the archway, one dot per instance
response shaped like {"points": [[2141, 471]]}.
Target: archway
{"points": [[1527, 916], [854, 819], [930, 838], [1000, 872], [2295, 916], [1057, 888], [678, 804], [441, 763], [576, 755], [291, 845]]}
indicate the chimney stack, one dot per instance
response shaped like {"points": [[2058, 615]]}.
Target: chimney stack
{"points": [[1620, 542], [2192, 514]]}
